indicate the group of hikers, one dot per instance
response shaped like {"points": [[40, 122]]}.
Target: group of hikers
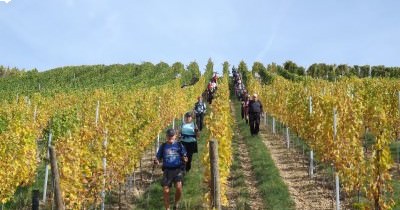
{"points": [[251, 107], [177, 152]]}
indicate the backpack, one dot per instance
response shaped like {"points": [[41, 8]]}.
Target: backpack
{"points": [[196, 131], [199, 107], [162, 153]]}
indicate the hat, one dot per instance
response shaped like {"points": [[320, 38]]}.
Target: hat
{"points": [[188, 114], [170, 132]]}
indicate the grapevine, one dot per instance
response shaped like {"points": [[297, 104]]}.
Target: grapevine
{"points": [[360, 104], [219, 124]]}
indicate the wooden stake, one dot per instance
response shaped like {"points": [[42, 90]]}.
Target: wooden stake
{"points": [[311, 169], [265, 118], [56, 178], [215, 184], [97, 112], [287, 137], [35, 114], [337, 191], [103, 192], [336, 173], [46, 176], [273, 126], [311, 164]]}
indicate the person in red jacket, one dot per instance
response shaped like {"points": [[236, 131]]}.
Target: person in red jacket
{"points": [[245, 108]]}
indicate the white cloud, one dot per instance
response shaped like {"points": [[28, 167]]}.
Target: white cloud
{"points": [[6, 1]]}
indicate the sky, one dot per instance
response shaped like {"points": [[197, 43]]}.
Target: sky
{"points": [[45, 34]]}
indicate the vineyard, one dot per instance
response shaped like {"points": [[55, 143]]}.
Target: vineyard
{"points": [[99, 133], [104, 120], [335, 121]]}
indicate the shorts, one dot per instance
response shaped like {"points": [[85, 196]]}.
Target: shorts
{"points": [[171, 176]]}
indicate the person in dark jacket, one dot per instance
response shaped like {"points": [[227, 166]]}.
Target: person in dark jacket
{"points": [[255, 110], [200, 110]]}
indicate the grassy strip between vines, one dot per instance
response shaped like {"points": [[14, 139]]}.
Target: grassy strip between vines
{"points": [[396, 189], [274, 192], [239, 195]]}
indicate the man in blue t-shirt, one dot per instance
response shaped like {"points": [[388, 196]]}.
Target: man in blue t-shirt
{"points": [[173, 155]]}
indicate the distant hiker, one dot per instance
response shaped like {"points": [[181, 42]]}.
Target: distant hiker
{"points": [[255, 110], [234, 72], [209, 86], [242, 93], [210, 92], [200, 109], [237, 77], [239, 87], [245, 108], [189, 135], [214, 85], [215, 78], [173, 156]]}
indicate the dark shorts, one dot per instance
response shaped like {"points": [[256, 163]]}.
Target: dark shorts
{"points": [[171, 176]]}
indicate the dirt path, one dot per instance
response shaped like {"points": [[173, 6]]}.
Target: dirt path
{"points": [[307, 193], [255, 201]]}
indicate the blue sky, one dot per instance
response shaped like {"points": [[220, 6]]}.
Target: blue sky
{"points": [[45, 34]]}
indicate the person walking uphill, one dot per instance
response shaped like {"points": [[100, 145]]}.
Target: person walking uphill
{"points": [[255, 110], [189, 134], [200, 109], [173, 156]]}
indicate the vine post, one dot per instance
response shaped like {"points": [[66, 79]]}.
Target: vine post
{"points": [[215, 185], [337, 188], [273, 126], [56, 179], [46, 176], [103, 192], [311, 169]]}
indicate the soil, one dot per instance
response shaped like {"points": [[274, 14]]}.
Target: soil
{"points": [[307, 193], [137, 183]]}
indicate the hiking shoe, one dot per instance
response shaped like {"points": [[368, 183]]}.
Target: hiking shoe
{"points": [[175, 207]]}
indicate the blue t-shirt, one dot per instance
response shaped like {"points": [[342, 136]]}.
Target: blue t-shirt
{"points": [[172, 154]]}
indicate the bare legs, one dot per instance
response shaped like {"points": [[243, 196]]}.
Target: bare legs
{"points": [[178, 194]]}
